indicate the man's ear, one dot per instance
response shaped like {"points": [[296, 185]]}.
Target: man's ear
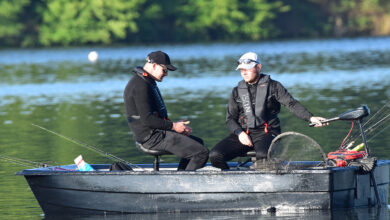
{"points": [[259, 66]]}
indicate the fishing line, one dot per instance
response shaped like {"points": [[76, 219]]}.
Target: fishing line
{"points": [[23, 162], [89, 147], [379, 132], [377, 113], [383, 120], [372, 128]]}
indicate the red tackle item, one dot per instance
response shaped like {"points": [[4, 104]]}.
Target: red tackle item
{"points": [[346, 154], [341, 163], [266, 127], [343, 157]]}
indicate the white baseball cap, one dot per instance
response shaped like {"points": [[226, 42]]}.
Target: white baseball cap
{"points": [[248, 61]]}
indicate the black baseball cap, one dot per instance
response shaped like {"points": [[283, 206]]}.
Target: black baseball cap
{"points": [[160, 57]]}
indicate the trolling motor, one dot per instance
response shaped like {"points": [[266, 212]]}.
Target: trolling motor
{"points": [[344, 157], [360, 159], [354, 115]]}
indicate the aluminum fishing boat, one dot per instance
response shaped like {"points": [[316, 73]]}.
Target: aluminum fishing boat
{"points": [[64, 190], [360, 181]]}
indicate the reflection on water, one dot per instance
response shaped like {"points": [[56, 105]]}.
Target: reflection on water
{"points": [[60, 90]]}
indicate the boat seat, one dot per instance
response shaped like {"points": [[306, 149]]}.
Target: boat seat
{"points": [[155, 153], [252, 157]]}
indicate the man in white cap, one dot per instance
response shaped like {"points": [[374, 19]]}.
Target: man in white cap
{"points": [[252, 113]]}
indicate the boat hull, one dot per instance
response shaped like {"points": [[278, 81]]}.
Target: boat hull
{"points": [[72, 192]]}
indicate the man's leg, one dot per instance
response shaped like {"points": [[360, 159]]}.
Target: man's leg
{"points": [[184, 147], [227, 149], [184, 161], [262, 144]]}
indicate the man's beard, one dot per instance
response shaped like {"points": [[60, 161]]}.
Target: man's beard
{"points": [[255, 79]]}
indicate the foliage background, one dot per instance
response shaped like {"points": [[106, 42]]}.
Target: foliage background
{"points": [[36, 23]]}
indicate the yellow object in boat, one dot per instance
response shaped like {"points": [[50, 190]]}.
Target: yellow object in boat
{"points": [[359, 147]]}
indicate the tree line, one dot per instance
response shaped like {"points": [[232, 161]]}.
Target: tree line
{"points": [[35, 23]]}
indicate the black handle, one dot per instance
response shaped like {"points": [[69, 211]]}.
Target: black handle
{"points": [[325, 121]]}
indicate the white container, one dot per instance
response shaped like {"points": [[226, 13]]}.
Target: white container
{"points": [[82, 165]]}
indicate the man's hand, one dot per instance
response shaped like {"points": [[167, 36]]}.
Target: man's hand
{"points": [[317, 121], [182, 128], [245, 139]]}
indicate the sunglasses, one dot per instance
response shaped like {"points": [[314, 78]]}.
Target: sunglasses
{"points": [[245, 61], [165, 69]]}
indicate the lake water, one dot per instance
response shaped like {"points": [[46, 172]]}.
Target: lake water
{"points": [[62, 91]]}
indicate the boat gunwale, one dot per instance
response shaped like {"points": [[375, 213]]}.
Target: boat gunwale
{"points": [[319, 170]]}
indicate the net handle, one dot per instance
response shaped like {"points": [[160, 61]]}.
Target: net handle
{"points": [[273, 145]]}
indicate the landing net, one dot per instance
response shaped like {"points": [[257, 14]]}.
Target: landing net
{"points": [[293, 150]]}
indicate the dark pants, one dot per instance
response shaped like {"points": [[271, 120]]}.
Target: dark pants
{"points": [[231, 147], [190, 148]]}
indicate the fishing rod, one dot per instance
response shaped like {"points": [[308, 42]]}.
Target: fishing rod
{"points": [[379, 120], [89, 147], [381, 124], [379, 114], [376, 121]]}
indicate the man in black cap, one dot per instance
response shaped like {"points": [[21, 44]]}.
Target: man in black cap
{"points": [[148, 117]]}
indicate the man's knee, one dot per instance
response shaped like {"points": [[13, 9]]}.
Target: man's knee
{"points": [[261, 155], [215, 156], [204, 153]]}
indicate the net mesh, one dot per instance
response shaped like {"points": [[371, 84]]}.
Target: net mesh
{"points": [[289, 149], [294, 146]]}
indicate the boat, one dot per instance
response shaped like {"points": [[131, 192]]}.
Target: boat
{"points": [[253, 186], [63, 190]]}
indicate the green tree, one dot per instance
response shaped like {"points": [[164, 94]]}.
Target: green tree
{"points": [[230, 19], [81, 22], [357, 17], [67, 22], [157, 22], [10, 25], [304, 19]]}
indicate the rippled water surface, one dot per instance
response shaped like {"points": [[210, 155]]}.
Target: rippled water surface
{"points": [[60, 90]]}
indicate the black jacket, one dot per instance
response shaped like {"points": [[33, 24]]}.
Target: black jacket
{"points": [[277, 95], [141, 107]]}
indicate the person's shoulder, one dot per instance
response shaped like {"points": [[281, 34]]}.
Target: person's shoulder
{"points": [[136, 82], [272, 81], [234, 93], [240, 84], [137, 79], [274, 84]]}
